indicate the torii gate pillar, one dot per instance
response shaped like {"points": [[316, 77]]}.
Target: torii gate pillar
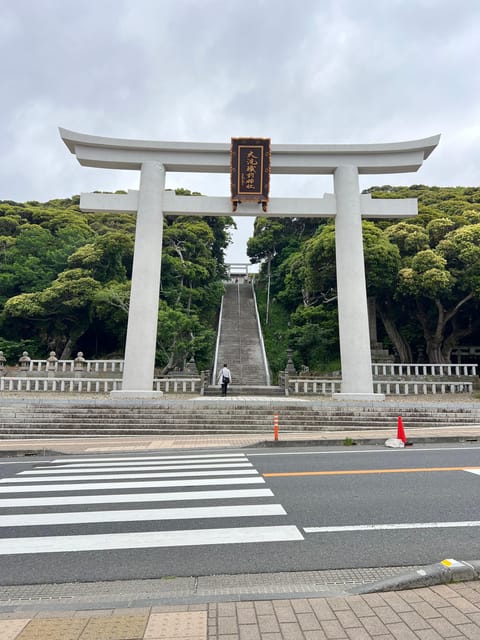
{"points": [[345, 162], [355, 354]]}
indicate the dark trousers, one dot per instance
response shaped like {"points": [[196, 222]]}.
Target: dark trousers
{"points": [[224, 388]]}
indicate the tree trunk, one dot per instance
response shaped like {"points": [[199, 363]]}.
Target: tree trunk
{"points": [[401, 345]]}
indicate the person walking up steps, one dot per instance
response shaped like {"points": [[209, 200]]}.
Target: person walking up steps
{"points": [[225, 379]]}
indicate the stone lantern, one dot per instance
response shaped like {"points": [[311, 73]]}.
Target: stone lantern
{"points": [[24, 361]]}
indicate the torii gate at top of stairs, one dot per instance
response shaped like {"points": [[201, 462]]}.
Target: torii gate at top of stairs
{"points": [[151, 202]]}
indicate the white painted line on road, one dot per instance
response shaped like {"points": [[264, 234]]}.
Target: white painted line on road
{"points": [[395, 452], [162, 464], [475, 471], [57, 471], [148, 539], [138, 515], [171, 496], [389, 527], [94, 486], [128, 476], [198, 456]]}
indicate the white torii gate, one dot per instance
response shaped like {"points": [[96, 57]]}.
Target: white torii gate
{"points": [[151, 202]]}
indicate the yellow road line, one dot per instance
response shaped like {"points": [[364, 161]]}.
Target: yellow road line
{"points": [[353, 472]]}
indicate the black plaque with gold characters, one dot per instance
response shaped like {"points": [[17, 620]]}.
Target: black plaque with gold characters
{"points": [[250, 171]]}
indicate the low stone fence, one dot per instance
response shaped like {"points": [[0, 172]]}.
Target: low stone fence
{"points": [[92, 385], [409, 370]]}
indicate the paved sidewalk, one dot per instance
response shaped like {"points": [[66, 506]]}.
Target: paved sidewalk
{"points": [[89, 445], [430, 613]]}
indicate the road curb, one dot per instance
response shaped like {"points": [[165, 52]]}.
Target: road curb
{"points": [[445, 572], [341, 442]]}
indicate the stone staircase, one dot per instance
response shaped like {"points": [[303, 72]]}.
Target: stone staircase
{"points": [[69, 418], [240, 344]]}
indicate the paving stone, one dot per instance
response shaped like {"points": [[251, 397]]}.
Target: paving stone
{"points": [[264, 608], [425, 610], [386, 614], [373, 600], [322, 609], [249, 632], [374, 626], [301, 606], [348, 619], [9, 629], [414, 621], [227, 624], [291, 631], [360, 607], [333, 630], [428, 634], [453, 615], [115, 628], [246, 616], [444, 628], [96, 613], [53, 629], [268, 624], [396, 603], [315, 635], [464, 605], [336, 604], [308, 621], [400, 631], [359, 634], [471, 631], [180, 624], [226, 609], [285, 614]]}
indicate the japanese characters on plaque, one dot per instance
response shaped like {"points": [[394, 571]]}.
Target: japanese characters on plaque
{"points": [[250, 171]]}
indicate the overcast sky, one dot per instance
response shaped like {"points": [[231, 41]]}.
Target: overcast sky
{"points": [[303, 71]]}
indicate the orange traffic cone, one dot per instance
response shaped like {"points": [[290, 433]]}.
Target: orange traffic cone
{"points": [[401, 432]]}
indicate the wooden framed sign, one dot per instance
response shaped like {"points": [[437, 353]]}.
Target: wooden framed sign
{"points": [[250, 171]]}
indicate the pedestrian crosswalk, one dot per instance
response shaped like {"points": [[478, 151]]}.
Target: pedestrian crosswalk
{"points": [[138, 502]]}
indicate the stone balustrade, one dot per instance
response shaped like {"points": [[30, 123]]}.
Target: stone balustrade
{"points": [[445, 370], [92, 385]]}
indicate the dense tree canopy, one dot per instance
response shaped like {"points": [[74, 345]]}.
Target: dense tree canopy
{"points": [[65, 282], [424, 273]]}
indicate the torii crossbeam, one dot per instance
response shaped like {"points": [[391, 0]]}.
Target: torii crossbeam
{"points": [[151, 202]]}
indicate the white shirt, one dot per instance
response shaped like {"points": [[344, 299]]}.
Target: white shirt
{"points": [[224, 372]]}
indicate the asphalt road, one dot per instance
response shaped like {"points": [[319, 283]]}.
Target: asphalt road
{"points": [[128, 516]]}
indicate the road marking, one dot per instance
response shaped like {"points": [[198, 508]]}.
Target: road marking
{"points": [[132, 458], [135, 515], [473, 470], [363, 450], [94, 486], [148, 539], [353, 472], [55, 470], [174, 464], [388, 527], [127, 476], [222, 494]]}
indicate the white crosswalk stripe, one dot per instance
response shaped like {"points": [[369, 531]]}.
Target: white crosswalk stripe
{"points": [[99, 528]]}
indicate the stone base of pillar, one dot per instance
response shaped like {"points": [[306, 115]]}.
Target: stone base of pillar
{"points": [[140, 395], [375, 397]]}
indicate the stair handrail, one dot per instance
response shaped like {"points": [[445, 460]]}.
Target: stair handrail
{"points": [[219, 328], [260, 333]]}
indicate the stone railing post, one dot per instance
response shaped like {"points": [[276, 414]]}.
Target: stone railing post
{"points": [[79, 365], [3, 362], [52, 361]]}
